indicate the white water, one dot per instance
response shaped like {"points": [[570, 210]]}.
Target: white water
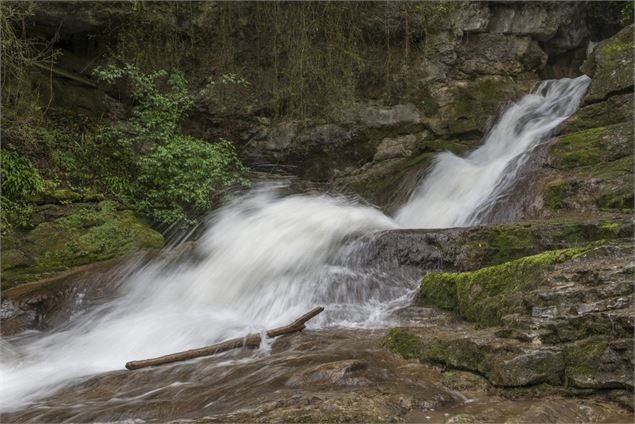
{"points": [[458, 189], [267, 259]]}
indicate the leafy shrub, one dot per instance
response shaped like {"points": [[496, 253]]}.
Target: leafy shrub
{"points": [[19, 184], [172, 176], [20, 179], [178, 177]]}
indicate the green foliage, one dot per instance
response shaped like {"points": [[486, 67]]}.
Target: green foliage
{"points": [[20, 180], [172, 176], [20, 183], [626, 13], [157, 112], [179, 176], [228, 79]]}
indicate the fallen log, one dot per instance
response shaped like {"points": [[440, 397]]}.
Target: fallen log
{"points": [[251, 341]]}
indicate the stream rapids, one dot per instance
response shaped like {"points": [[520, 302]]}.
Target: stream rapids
{"points": [[263, 260]]}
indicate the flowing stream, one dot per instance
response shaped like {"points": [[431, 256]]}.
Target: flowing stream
{"points": [[265, 259]]}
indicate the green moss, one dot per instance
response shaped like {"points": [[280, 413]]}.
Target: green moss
{"points": [[580, 234], [439, 289], [438, 351], [496, 244], [577, 149], [615, 47], [610, 227], [404, 343], [582, 358], [505, 244], [614, 110], [612, 186], [485, 295], [83, 233], [64, 195]]}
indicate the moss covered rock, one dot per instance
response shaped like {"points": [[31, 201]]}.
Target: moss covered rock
{"points": [[466, 106], [561, 318], [592, 147], [600, 363], [611, 66], [595, 169], [614, 110], [404, 343], [485, 295], [71, 235], [505, 363]]}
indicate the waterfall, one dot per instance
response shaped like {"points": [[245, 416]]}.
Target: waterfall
{"points": [[457, 190], [265, 259]]}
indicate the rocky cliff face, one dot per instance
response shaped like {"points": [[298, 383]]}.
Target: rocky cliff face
{"points": [[448, 69], [588, 168], [556, 321]]}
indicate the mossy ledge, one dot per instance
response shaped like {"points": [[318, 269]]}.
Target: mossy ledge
{"points": [[78, 234], [484, 296]]}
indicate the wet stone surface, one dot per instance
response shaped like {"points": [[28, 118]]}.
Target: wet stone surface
{"points": [[332, 375]]}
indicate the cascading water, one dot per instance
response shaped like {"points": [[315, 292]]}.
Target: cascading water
{"points": [[266, 259], [458, 190]]}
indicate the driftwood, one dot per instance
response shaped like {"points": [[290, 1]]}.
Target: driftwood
{"points": [[252, 341]]}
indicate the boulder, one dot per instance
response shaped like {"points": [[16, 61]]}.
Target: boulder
{"points": [[563, 318], [611, 66]]}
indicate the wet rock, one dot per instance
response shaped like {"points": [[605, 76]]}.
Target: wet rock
{"points": [[596, 168], [50, 302], [390, 148], [462, 249], [596, 363], [611, 66], [401, 115], [505, 363], [464, 381], [472, 17], [540, 20], [499, 54], [591, 147], [616, 109], [553, 317], [397, 165], [464, 106], [340, 372]]}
